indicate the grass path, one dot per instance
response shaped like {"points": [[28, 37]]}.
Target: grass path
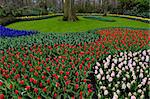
{"points": [[57, 25]]}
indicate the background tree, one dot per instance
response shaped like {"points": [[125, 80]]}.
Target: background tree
{"points": [[69, 11]]}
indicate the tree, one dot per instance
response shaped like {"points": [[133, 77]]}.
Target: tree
{"points": [[105, 7], [69, 11]]}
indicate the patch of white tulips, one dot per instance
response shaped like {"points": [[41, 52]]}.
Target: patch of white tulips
{"points": [[124, 75]]}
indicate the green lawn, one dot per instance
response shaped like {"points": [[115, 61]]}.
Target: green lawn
{"points": [[57, 25]]}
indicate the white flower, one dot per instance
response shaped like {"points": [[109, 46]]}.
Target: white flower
{"points": [[126, 67], [112, 64], [141, 75], [140, 85], [115, 96], [144, 53], [109, 57], [106, 65], [125, 62], [96, 71], [117, 75], [147, 59], [121, 54], [118, 92], [104, 88], [103, 78], [98, 76], [144, 81], [142, 58], [115, 61], [134, 77], [99, 96], [129, 85], [120, 59], [110, 79], [142, 97], [105, 92], [133, 97], [96, 67], [101, 71], [97, 63], [123, 68], [139, 90], [134, 64], [129, 94], [124, 79], [107, 77], [113, 74], [123, 86], [113, 88]]}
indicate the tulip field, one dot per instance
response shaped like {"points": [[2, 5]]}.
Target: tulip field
{"points": [[108, 63]]}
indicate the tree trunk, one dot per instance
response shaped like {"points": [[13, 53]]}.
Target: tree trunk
{"points": [[69, 13]]}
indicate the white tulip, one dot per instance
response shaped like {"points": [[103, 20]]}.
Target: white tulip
{"points": [[123, 86], [115, 96], [104, 88], [115, 61], [142, 58], [112, 64], [129, 94], [105, 92], [133, 97], [141, 75], [142, 97], [110, 79], [106, 65], [123, 69], [109, 56], [121, 54], [101, 71], [118, 92], [140, 85], [134, 64], [147, 59], [96, 67], [113, 89], [99, 77], [129, 85], [99, 96], [124, 79], [103, 78], [139, 90], [144, 53], [117, 75], [113, 74], [97, 63], [125, 62], [96, 72], [107, 77]]}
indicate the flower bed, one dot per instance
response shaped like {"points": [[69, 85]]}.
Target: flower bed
{"points": [[124, 75], [61, 70], [6, 32]]}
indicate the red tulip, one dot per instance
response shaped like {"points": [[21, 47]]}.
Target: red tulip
{"points": [[16, 91], [65, 77], [41, 85], [39, 97], [1, 83], [27, 87], [44, 89], [35, 81], [89, 91], [11, 86], [55, 95], [2, 96], [67, 73], [76, 86], [89, 86], [35, 90], [22, 82], [76, 73], [36, 73], [43, 77]]}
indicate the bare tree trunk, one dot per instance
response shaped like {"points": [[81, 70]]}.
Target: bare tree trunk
{"points": [[69, 13]]}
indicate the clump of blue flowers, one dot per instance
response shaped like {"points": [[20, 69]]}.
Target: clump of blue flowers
{"points": [[7, 32]]}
